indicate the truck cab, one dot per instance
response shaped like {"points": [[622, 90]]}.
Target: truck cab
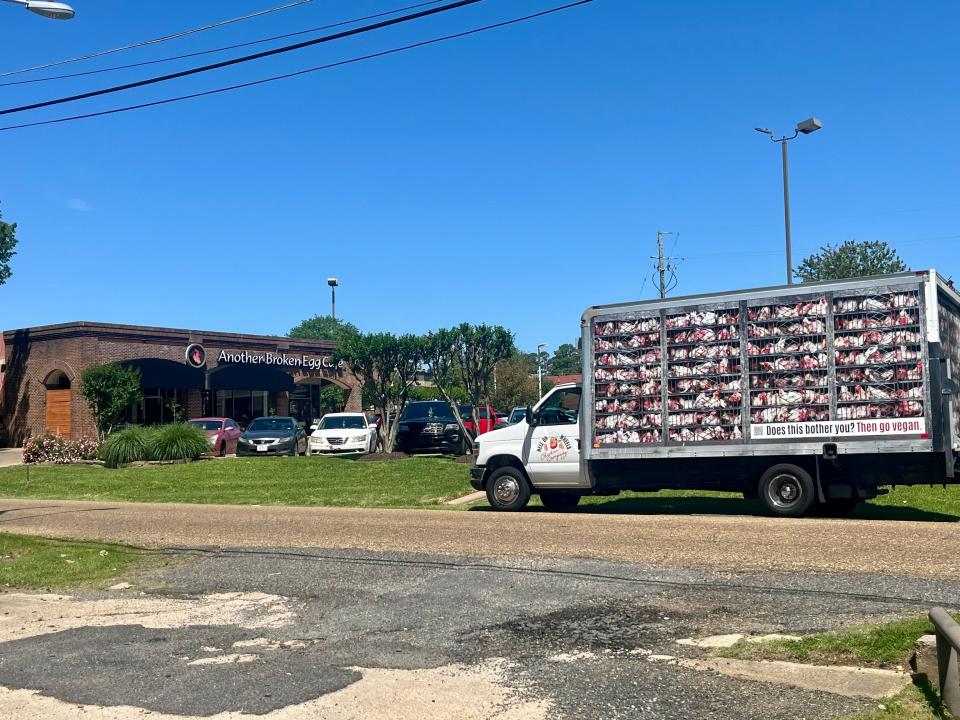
{"points": [[539, 454]]}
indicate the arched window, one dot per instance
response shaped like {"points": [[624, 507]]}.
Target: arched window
{"points": [[57, 380]]}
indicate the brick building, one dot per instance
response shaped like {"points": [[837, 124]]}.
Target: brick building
{"points": [[190, 372]]}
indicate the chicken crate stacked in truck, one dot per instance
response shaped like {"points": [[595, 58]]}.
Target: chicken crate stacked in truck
{"points": [[802, 396]]}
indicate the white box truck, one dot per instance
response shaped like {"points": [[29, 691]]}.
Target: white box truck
{"points": [[810, 396]]}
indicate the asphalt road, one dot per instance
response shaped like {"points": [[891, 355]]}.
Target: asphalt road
{"points": [[297, 633], [289, 613], [920, 549]]}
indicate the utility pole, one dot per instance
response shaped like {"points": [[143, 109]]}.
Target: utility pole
{"points": [[663, 263], [660, 266]]}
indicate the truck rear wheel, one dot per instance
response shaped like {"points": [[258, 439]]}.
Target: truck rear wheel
{"points": [[508, 489], [787, 490], [559, 500]]}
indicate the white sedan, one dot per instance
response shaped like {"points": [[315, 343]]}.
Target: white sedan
{"points": [[343, 433]]}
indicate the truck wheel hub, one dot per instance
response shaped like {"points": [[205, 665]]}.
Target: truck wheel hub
{"points": [[787, 490], [507, 490]]}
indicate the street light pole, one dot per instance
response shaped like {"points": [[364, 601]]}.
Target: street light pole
{"points": [[806, 127], [540, 370], [333, 282], [786, 214]]}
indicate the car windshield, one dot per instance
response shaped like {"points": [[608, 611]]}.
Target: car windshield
{"points": [[427, 410], [271, 425], [206, 424], [342, 423]]}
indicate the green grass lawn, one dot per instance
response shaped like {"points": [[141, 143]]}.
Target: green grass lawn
{"points": [[873, 645], [881, 646], [412, 482], [32, 562]]}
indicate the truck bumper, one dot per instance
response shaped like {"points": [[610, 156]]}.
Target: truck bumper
{"points": [[476, 477]]}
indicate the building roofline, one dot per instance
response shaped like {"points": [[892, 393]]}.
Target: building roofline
{"points": [[146, 333]]}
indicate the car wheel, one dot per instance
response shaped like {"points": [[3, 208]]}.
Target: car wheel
{"points": [[222, 452], [508, 489], [786, 490], [559, 501]]}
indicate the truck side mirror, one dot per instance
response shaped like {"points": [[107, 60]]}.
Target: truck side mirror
{"points": [[531, 420]]}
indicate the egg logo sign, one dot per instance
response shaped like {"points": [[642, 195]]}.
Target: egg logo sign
{"points": [[196, 355], [553, 448]]}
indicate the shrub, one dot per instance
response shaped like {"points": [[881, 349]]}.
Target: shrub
{"points": [[131, 445], [179, 441], [53, 448]]}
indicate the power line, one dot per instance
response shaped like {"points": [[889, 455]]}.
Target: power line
{"points": [[244, 58], [220, 49], [262, 81], [154, 41]]}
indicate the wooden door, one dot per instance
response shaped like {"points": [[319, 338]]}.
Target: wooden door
{"points": [[58, 412]]}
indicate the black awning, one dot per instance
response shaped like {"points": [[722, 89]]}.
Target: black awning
{"points": [[158, 373], [249, 377]]}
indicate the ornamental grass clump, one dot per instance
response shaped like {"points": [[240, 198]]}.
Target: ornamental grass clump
{"points": [[131, 445], [179, 441]]}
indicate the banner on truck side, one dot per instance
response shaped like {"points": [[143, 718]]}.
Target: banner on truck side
{"points": [[839, 428]]}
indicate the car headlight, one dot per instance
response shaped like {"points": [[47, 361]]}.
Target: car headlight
{"points": [[242, 440], [451, 426], [213, 439]]}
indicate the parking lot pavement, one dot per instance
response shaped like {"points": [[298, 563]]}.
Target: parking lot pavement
{"points": [[10, 456], [332, 633]]}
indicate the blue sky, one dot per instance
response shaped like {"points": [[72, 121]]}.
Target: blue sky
{"points": [[515, 177]]}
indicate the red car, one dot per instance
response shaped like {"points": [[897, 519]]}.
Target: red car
{"points": [[488, 419], [223, 434]]}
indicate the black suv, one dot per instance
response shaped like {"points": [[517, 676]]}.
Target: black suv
{"points": [[430, 427]]}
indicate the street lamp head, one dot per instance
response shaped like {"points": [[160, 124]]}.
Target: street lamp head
{"points": [[764, 131], [332, 282], [809, 125], [52, 10]]}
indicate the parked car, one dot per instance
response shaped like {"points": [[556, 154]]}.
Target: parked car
{"points": [[488, 419], [272, 436], [429, 426], [516, 415], [343, 433], [223, 433]]}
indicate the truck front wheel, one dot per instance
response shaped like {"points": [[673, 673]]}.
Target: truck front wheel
{"points": [[508, 489], [787, 490]]}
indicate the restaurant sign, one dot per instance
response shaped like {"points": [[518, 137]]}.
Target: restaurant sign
{"points": [[310, 362]]}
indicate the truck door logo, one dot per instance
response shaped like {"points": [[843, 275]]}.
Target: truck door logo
{"points": [[553, 448]]}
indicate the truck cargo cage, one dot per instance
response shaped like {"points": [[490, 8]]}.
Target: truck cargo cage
{"points": [[736, 372]]}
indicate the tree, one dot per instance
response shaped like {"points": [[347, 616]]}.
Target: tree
{"points": [[332, 398], [566, 360], [109, 391], [516, 386], [387, 365], [477, 351], [8, 241], [850, 260], [441, 354], [323, 327]]}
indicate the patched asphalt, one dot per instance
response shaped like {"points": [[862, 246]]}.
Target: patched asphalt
{"points": [[573, 633]]}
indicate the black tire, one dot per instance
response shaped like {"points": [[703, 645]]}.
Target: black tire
{"points": [[508, 489], [222, 452], [559, 501], [787, 491]]}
